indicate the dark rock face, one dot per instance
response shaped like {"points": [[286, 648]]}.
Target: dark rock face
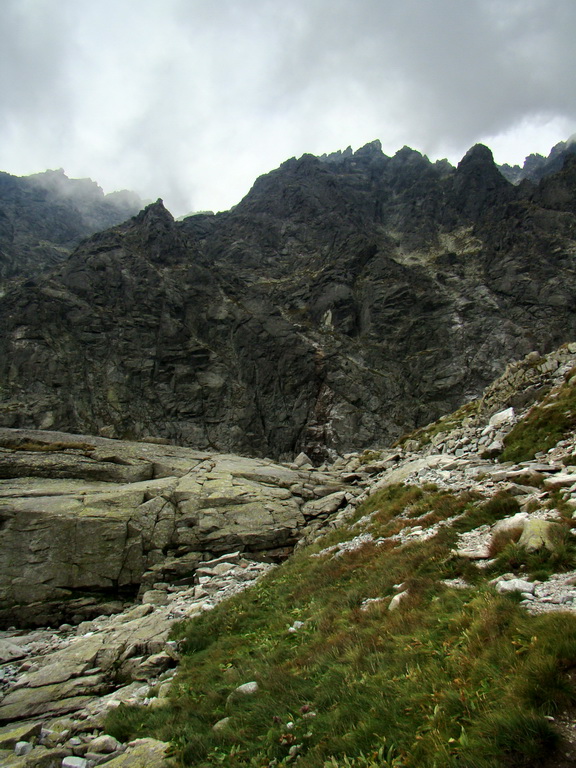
{"points": [[343, 302], [43, 217]]}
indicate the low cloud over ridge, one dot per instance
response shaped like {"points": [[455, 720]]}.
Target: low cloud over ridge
{"points": [[191, 102]]}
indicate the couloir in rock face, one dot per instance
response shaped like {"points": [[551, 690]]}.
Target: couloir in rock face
{"points": [[343, 302]]}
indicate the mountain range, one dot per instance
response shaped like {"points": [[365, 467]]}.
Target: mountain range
{"points": [[344, 301]]}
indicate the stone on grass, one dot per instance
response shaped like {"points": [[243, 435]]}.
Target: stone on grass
{"points": [[515, 585], [538, 534], [247, 689], [221, 725], [397, 599]]}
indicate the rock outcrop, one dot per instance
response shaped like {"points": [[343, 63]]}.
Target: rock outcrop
{"points": [[92, 520]]}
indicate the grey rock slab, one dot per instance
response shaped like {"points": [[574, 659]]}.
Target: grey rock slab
{"points": [[263, 525], [267, 474], [143, 753], [539, 467], [560, 480], [324, 505], [22, 733], [54, 464], [50, 699]]}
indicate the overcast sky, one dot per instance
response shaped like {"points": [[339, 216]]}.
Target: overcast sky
{"points": [[191, 100]]}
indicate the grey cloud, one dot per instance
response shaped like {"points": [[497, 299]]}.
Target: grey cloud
{"points": [[191, 101]]}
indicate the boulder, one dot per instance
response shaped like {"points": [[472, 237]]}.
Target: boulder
{"points": [[143, 753], [105, 744], [539, 534], [9, 739], [502, 417], [515, 585], [514, 523]]}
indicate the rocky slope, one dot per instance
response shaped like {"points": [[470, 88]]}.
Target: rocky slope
{"points": [[44, 216], [343, 302], [59, 684]]}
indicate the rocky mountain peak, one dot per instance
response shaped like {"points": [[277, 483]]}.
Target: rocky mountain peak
{"points": [[370, 149], [478, 184], [536, 166], [155, 212]]}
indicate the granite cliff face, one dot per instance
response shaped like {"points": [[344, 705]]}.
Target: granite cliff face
{"points": [[44, 216], [343, 302]]}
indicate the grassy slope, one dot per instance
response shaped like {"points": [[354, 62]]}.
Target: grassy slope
{"points": [[452, 677], [545, 424]]}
